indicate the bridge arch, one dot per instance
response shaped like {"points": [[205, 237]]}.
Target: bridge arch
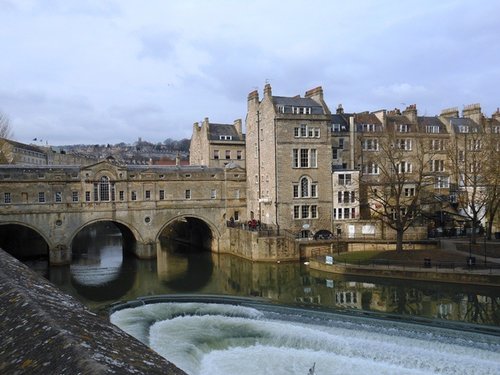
{"points": [[193, 229], [7, 241], [131, 236]]}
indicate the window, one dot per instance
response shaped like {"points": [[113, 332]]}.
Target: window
{"points": [[367, 128], [345, 179], [404, 167], [474, 144], [238, 154], [133, 195], [296, 211], [341, 143], [437, 165], [463, 129], [187, 194], [346, 196], [216, 154], [74, 196], [437, 144], [147, 195], [496, 129], [442, 182], [58, 197], [305, 131], [104, 188], [335, 154], [304, 158], [409, 192], [305, 189], [213, 194], [41, 197], [403, 128], [162, 194], [121, 194], [404, 144], [370, 144], [371, 168], [228, 154], [225, 137], [7, 198], [432, 129], [87, 196]]}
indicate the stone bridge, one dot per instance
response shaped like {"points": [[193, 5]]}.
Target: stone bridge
{"points": [[191, 203]]}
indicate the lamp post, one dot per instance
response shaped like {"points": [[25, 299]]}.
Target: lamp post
{"points": [[484, 243]]}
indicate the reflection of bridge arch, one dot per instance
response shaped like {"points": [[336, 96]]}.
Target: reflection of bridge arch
{"points": [[191, 228], [23, 251]]}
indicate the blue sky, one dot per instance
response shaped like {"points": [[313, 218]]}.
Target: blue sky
{"points": [[97, 71]]}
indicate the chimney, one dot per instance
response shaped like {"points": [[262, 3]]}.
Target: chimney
{"points": [[237, 125], [340, 110], [177, 159], [267, 90], [316, 94], [473, 111], [253, 96], [450, 112], [496, 115], [411, 113]]}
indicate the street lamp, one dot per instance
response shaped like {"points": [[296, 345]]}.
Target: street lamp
{"points": [[484, 242]]}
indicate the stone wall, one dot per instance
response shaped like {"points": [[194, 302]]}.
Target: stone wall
{"points": [[45, 331]]}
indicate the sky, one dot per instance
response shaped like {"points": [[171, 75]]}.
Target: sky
{"points": [[111, 71]]}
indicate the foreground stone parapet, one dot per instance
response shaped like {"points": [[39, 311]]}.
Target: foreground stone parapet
{"points": [[44, 331]]}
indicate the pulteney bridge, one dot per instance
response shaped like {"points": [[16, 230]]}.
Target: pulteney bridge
{"points": [[144, 202]]}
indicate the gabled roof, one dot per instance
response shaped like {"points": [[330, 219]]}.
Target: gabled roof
{"points": [[215, 131]]}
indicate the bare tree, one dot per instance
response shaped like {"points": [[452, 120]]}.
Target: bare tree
{"points": [[5, 128], [399, 187], [470, 160], [492, 177]]}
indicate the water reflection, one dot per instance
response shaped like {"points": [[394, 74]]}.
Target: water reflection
{"points": [[103, 274]]}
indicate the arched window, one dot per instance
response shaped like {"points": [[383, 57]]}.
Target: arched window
{"points": [[104, 188], [304, 187]]}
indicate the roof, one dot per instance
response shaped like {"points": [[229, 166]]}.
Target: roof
{"points": [[456, 123], [424, 121], [296, 101], [341, 120], [366, 118], [24, 146], [215, 131]]}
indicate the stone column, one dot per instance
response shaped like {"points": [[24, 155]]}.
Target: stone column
{"points": [[60, 255]]}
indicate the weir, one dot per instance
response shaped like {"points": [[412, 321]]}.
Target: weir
{"points": [[225, 335]]}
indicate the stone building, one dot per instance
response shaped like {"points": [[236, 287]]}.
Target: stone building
{"points": [[289, 161], [216, 145], [12, 152]]}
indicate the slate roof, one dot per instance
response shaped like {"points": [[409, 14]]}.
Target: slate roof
{"points": [[297, 101], [457, 122], [24, 146], [342, 120], [217, 130], [424, 121]]}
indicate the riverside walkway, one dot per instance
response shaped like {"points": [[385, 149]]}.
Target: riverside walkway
{"points": [[44, 331], [487, 273]]}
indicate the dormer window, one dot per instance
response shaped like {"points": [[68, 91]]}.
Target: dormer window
{"points": [[403, 128], [301, 110], [225, 137]]}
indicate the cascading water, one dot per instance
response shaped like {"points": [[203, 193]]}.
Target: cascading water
{"points": [[209, 338]]}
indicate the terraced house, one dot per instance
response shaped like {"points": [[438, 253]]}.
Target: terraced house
{"points": [[371, 173]]}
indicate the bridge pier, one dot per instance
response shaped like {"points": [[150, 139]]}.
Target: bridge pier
{"points": [[145, 250], [60, 255]]}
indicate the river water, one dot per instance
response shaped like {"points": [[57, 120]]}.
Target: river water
{"points": [[249, 339]]}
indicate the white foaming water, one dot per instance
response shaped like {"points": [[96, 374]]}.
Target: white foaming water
{"points": [[224, 339]]}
